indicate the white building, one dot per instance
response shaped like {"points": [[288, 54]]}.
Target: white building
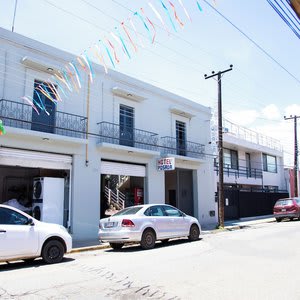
{"points": [[253, 172], [103, 141]]}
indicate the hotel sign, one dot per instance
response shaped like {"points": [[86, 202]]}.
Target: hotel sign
{"points": [[166, 164]]}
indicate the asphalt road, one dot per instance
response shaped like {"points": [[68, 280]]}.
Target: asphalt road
{"points": [[261, 262]]}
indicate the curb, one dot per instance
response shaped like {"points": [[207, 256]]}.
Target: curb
{"points": [[89, 248]]}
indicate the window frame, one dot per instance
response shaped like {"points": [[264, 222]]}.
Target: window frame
{"points": [[267, 165]]}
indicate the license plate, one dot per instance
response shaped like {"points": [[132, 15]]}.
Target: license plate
{"points": [[283, 209], [110, 224]]}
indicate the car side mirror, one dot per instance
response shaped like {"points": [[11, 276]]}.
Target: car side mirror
{"points": [[30, 222]]}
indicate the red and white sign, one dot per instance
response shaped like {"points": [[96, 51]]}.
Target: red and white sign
{"points": [[166, 164]]}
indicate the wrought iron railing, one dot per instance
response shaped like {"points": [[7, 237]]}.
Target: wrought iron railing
{"points": [[19, 115], [127, 136], [172, 145], [240, 171]]}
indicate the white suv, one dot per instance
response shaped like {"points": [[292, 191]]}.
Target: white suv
{"points": [[23, 237]]}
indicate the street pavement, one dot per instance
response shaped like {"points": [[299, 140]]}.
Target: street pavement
{"points": [[260, 261]]}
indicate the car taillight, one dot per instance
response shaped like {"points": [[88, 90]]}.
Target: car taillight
{"points": [[127, 223]]}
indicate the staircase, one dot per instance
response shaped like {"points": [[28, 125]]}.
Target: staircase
{"points": [[115, 199]]}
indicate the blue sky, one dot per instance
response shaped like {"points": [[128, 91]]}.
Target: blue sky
{"points": [[256, 94]]}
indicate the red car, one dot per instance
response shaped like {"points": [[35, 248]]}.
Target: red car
{"points": [[287, 208]]}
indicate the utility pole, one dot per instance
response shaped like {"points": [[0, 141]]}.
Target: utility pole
{"points": [[220, 146], [14, 17], [295, 153]]}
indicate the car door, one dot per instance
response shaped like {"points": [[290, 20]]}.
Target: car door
{"points": [[178, 225], [17, 237], [159, 221]]}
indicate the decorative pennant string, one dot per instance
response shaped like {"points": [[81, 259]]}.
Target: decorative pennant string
{"points": [[59, 85], [145, 25], [168, 14], [60, 77], [117, 39], [175, 14], [185, 11], [78, 77], [54, 91], [158, 16], [108, 53], [154, 30], [42, 88], [67, 79], [2, 129], [129, 37], [99, 55]]}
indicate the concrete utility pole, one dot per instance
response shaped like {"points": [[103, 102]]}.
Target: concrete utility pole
{"points": [[295, 153], [14, 18], [220, 146]]}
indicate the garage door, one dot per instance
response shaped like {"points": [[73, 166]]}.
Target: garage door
{"points": [[34, 159], [116, 168]]}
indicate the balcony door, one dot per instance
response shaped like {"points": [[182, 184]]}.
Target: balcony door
{"points": [[126, 125], [42, 121], [180, 138]]}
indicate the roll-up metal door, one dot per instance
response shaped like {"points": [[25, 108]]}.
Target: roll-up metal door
{"points": [[34, 159], [116, 168]]}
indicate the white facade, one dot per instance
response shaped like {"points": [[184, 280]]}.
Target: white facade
{"points": [[96, 110]]}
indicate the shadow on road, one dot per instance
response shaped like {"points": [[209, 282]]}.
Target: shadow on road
{"points": [[21, 264], [158, 245]]}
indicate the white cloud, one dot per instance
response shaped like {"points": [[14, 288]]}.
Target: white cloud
{"points": [[271, 112], [293, 109]]}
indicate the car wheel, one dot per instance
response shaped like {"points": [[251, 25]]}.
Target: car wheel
{"points": [[278, 219], [53, 252], [194, 233], [116, 246], [148, 239]]}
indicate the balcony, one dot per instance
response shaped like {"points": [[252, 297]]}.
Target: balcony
{"points": [[21, 115], [240, 172], [127, 136], [172, 145]]}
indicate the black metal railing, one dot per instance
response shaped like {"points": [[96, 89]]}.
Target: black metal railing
{"points": [[172, 145], [19, 115], [127, 136], [240, 171]]}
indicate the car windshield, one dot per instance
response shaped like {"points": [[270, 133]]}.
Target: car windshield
{"points": [[284, 202], [128, 211]]}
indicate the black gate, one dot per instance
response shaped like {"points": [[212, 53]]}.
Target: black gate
{"points": [[241, 204]]}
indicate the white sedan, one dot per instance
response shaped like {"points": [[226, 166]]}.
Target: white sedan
{"points": [[23, 237], [146, 224]]}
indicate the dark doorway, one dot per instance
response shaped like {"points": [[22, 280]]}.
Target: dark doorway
{"points": [[44, 120], [126, 126]]}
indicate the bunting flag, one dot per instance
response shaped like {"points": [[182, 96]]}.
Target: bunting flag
{"points": [[74, 83], [41, 105], [2, 129], [99, 55], [200, 8], [129, 37], [136, 33], [168, 14], [122, 41], [113, 49], [89, 65], [154, 30], [31, 103], [158, 16], [184, 9], [145, 25], [108, 53], [78, 78], [175, 14]]}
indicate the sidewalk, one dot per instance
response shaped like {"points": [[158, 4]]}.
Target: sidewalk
{"points": [[88, 245]]}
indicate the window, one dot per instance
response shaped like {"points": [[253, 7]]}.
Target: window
{"points": [[128, 211], [126, 125], [181, 138], [269, 163], [11, 217], [154, 211], [230, 159], [172, 212]]}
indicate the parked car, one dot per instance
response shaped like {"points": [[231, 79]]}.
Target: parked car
{"points": [[287, 208], [23, 237], [147, 224]]}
